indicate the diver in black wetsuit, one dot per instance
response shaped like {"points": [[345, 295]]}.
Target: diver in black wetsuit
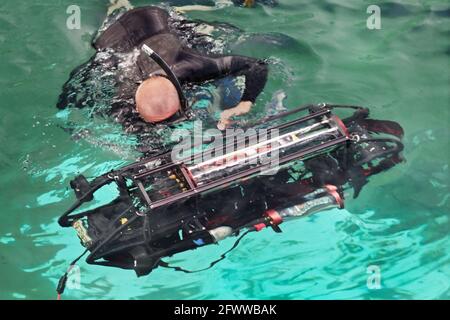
{"points": [[144, 84], [206, 5]]}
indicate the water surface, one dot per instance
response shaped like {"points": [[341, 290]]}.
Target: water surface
{"points": [[325, 53]]}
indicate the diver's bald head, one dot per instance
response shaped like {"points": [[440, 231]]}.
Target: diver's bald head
{"points": [[157, 99]]}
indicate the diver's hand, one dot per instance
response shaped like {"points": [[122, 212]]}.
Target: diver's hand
{"points": [[242, 108]]}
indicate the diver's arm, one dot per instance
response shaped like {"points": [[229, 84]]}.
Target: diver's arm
{"points": [[195, 67], [255, 73], [184, 9], [219, 4], [198, 68]]}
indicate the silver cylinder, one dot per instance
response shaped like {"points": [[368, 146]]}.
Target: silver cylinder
{"points": [[220, 233]]}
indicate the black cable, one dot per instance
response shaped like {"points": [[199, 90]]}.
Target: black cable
{"points": [[65, 219], [170, 74], [92, 257], [396, 149], [63, 280], [343, 106], [212, 264]]}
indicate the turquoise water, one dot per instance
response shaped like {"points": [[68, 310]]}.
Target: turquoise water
{"points": [[400, 222]]}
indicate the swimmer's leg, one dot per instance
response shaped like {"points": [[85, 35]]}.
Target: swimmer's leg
{"points": [[219, 5], [276, 105], [249, 3], [185, 9], [115, 9], [118, 5]]}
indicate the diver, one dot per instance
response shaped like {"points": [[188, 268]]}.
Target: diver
{"points": [[209, 5], [165, 207], [142, 88]]}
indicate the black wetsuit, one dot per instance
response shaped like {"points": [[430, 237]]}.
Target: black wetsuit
{"points": [[107, 83], [212, 3], [149, 25]]}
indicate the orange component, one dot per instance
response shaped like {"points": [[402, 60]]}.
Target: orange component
{"points": [[332, 190], [258, 227], [341, 125], [274, 216]]}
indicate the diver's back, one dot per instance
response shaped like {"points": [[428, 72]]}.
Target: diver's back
{"points": [[132, 28]]}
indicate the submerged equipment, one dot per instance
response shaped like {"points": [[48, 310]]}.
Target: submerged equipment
{"points": [[166, 206]]}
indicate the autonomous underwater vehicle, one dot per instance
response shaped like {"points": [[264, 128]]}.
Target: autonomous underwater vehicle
{"points": [[166, 206]]}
